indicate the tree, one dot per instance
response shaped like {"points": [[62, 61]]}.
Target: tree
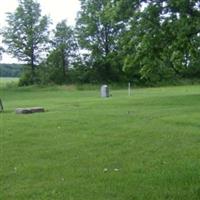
{"points": [[26, 35], [162, 39], [185, 30], [98, 35], [143, 44], [64, 52]]}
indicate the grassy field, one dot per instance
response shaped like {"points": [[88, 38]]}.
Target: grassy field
{"points": [[4, 81], [143, 147]]}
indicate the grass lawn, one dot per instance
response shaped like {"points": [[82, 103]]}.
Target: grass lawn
{"points": [[143, 147]]}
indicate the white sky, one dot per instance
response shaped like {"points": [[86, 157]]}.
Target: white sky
{"points": [[56, 9]]}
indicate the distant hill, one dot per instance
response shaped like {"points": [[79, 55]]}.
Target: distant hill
{"points": [[10, 70]]}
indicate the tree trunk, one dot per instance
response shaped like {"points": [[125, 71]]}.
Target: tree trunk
{"points": [[106, 34], [32, 66], [64, 64]]}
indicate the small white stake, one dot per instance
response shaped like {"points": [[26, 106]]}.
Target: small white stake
{"points": [[129, 89]]}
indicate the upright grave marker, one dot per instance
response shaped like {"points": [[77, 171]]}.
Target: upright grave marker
{"points": [[104, 91], [1, 106]]}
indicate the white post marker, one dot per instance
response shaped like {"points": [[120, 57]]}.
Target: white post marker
{"points": [[129, 89]]}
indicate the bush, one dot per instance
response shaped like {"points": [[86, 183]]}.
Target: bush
{"points": [[29, 78]]}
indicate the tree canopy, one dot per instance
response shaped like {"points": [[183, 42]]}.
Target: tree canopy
{"points": [[143, 41], [26, 34], [63, 54]]}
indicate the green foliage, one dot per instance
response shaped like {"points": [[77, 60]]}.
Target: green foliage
{"points": [[163, 40], [27, 33], [151, 41], [27, 78], [144, 42], [98, 35], [62, 57]]}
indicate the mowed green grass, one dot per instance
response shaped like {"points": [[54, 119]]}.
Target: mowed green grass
{"points": [[143, 147]]}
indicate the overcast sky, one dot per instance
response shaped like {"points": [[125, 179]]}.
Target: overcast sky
{"points": [[56, 9]]}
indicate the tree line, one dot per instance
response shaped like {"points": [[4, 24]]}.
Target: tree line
{"points": [[11, 70], [140, 41]]}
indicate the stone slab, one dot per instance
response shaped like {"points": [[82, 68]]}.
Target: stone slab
{"points": [[29, 110]]}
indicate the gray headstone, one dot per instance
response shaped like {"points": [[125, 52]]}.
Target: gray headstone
{"points": [[104, 91]]}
